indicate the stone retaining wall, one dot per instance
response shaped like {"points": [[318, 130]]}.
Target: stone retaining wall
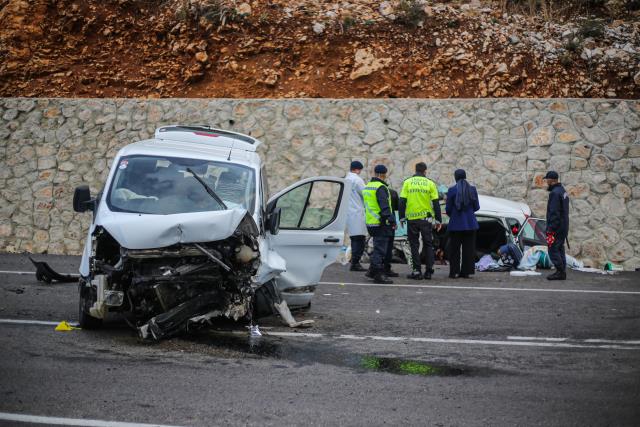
{"points": [[48, 146]]}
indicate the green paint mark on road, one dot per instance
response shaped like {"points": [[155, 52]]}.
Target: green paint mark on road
{"points": [[407, 367]]}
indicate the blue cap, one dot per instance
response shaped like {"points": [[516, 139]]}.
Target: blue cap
{"points": [[380, 169], [356, 165], [551, 175]]}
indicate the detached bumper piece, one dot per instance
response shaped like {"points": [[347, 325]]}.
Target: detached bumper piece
{"points": [[44, 273], [176, 320]]}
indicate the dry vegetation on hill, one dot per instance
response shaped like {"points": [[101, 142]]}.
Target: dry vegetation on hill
{"points": [[331, 49]]}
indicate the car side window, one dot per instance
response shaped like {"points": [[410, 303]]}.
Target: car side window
{"points": [[311, 206], [322, 205], [292, 205]]}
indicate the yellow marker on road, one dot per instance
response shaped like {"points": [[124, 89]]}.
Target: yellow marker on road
{"points": [[65, 326]]}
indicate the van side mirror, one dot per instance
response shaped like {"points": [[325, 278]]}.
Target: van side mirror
{"points": [[273, 221], [82, 199]]}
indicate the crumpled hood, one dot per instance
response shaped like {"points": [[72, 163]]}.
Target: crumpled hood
{"points": [[142, 231]]}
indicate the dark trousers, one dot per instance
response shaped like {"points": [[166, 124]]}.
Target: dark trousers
{"points": [[381, 253], [557, 254], [389, 254], [465, 242], [357, 248], [415, 229]]}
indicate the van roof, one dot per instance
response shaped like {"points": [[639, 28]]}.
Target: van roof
{"points": [[203, 134], [171, 148]]}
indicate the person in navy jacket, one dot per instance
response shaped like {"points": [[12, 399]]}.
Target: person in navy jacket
{"points": [[557, 225], [462, 202]]}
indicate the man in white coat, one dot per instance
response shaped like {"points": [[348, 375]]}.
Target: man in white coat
{"points": [[356, 227]]}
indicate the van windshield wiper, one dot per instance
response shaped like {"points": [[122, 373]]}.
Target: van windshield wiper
{"points": [[209, 189]]}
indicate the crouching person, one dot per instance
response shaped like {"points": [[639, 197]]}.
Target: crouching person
{"points": [[381, 223]]}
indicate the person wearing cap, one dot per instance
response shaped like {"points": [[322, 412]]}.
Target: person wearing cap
{"points": [[356, 227], [420, 206], [557, 225], [381, 223], [462, 203]]}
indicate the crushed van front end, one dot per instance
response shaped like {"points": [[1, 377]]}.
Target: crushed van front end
{"points": [[168, 290]]}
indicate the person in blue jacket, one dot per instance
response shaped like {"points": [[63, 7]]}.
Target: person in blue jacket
{"points": [[462, 202], [557, 225]]}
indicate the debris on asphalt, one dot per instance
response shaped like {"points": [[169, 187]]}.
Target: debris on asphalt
{"points": [[254, 331], [44, 273], [65, 326], [609, 266], [283, 310], [594, 270]]}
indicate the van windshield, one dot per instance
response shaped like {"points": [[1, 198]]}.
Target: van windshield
{"points": [[163, 185]]}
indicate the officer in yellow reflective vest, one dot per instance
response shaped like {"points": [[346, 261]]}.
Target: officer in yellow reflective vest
{"points": [[420, 207], [381, 223]]}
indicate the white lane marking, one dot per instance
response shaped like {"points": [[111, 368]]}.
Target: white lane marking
{"points": [[406, 285], [33, 272], [538, 339], [482, 288], [37, 419], [511, 340], [637, 342], [619, 345], [30, 322], [16, 272], [522, 343], [295, 334]]}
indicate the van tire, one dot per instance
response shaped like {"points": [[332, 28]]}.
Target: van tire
{"points": [[85, 320]]}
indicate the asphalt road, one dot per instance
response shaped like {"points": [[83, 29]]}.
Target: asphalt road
{"points": [[493, 350]]}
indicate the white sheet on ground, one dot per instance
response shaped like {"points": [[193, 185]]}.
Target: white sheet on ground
{"points": [[518, 273], [531, 258]]}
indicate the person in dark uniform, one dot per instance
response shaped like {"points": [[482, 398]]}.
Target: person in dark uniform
{"points": [[381, 223], [557, 225], [395, 200]]}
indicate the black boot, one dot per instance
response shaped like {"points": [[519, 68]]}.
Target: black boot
{"points": [[389, 272], [415, 275], [357, 267], [382, 279], [370, 273], [558, 275], [427, 274]]}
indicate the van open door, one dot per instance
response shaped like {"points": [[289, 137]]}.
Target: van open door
{"points": [[311, 232], [533, 233]]}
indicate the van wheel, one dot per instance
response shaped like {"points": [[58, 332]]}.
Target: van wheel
{"points": [[86, 321]]}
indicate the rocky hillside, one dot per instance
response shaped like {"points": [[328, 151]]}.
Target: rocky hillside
{"points": [[319, 48]]}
